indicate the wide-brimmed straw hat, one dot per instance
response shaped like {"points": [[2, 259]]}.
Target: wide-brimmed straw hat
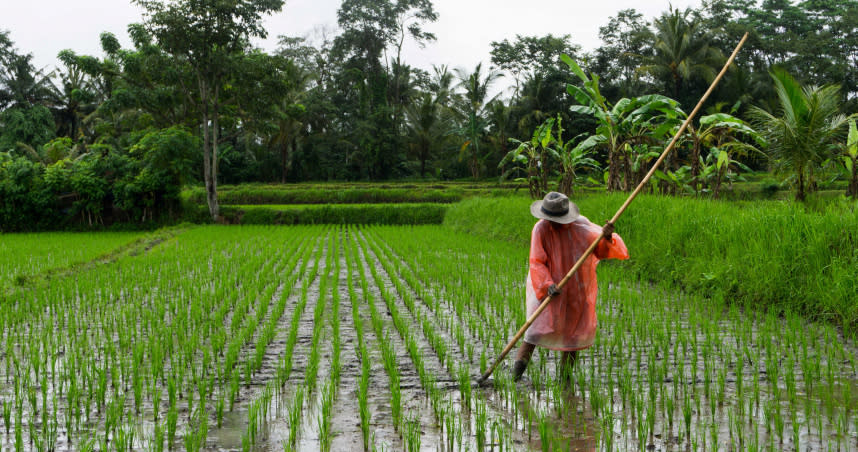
{"points": [[555, 207]]}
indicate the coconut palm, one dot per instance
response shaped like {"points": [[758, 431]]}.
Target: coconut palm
{"points": [[291, 117], [21, 84], [472, 113], [806, 131], [681, 51], [426, 121]]}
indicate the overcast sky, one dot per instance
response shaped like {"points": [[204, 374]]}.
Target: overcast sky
{"points": [[464, 28]]}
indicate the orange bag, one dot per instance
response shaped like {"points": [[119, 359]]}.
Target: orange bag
{"points": [[569, 322]]}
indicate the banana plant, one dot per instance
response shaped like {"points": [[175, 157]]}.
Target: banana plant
{"points": [[532, 158], [719, 165], [639, 120], [573, 157], [677, 180], [850, 160], [723, 133]]}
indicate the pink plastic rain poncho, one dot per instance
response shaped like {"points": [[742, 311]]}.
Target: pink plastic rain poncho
{"points": [[569, 321]]}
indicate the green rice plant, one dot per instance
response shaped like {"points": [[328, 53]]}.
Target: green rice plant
{"points": [[686, 414], [545, 432], [156, 443], [172, 418], [363, 387], [480, 422], [465, 390], [324, 419], [295, 416], [411, 434], [7, 415]]}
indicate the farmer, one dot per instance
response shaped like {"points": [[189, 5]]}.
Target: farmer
{"points": [[559, 239]]}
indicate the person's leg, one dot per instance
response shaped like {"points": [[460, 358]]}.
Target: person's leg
{"points": [[522, 358]]}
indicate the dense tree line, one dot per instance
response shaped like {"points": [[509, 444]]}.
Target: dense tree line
{"points": [[110, 138]]}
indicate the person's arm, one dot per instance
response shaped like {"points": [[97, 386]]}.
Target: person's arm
{"points": [[611, 246], [540, 276]]}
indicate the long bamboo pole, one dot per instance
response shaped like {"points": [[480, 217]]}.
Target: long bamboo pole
{"points": [[592, 247]]}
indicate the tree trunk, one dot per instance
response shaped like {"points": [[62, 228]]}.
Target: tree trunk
{"points": [[424, 155], [284, 153], [799, 195], [719, 176], [211, 188], [210, 138], [613, 170], [627, 172], [695, 163], [853, 183]]}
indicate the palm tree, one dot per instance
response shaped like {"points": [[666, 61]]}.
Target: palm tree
{"points": [[681, 51], [22, 85], [73, 99], [291, 118], [472, 113], [425, 121], [807, 128]]}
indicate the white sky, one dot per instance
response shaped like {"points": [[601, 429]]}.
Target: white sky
{"points": [[464, 28]]}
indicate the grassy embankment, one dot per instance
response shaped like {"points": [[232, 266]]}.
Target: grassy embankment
{"points": [[338, 203], [775, 255]]}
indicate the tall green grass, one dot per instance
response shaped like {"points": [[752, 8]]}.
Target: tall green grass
{"points": [[776, 255]]}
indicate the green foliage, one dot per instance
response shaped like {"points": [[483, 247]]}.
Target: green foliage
{"points": [[777, 255], [98, 188], [26, 201], [682, 55], [33, 126]]}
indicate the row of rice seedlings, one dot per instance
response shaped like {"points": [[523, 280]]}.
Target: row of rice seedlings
{"points": [[428, 379], [304, 393], [391, 365], [329, 396], [474, 277], [447, 410], [259, 408], [360, 348]]}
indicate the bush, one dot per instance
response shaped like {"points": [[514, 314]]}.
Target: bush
{"points": [[26, 200], [769, 188]]}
